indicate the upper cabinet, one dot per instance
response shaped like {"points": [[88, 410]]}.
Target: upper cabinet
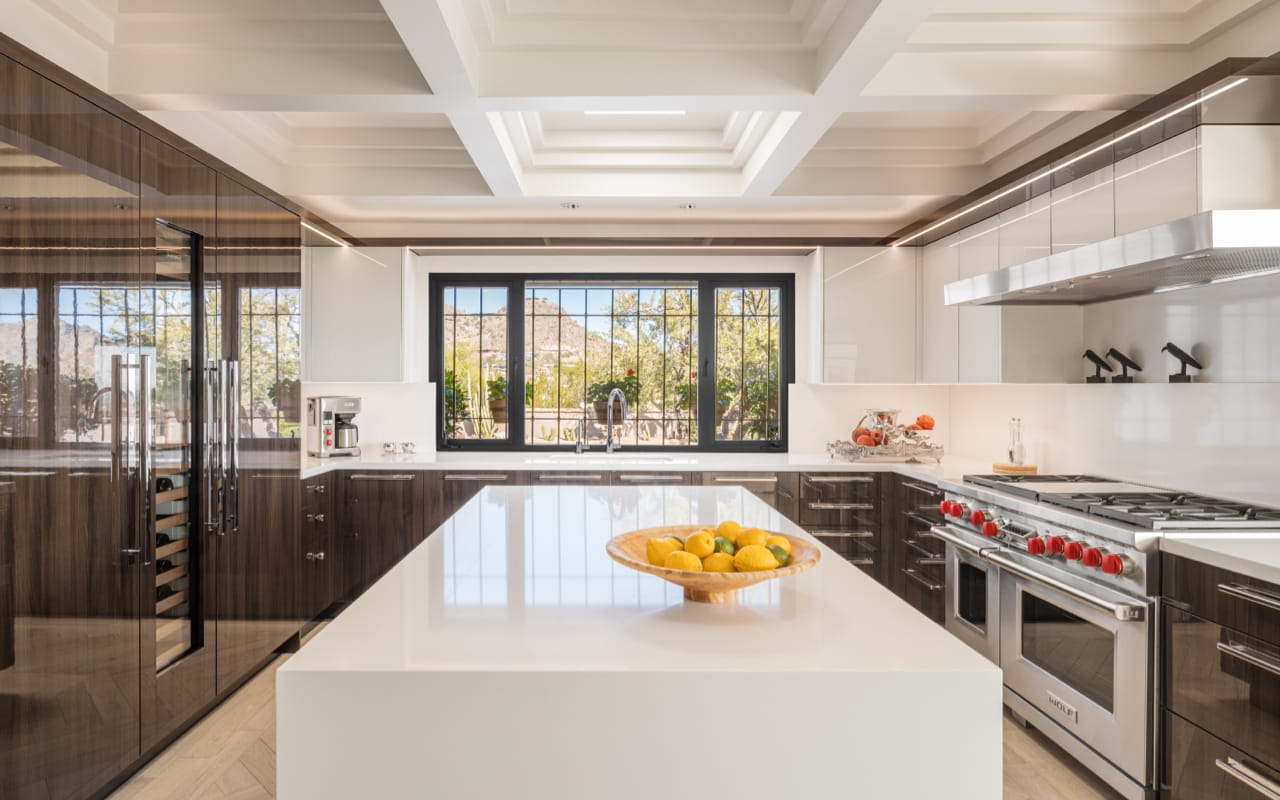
{"points": [[939, 323], [870, 327], [355, 320], [1158, 184]]}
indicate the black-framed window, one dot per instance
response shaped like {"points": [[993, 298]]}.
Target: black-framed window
{"points": [[528, 362]]}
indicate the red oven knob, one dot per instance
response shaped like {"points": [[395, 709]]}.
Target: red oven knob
{"points": [[1035, 546], [957, 510], [1073, 551], [990, 529], [977, 518], [944, 507], [1055, 545], [1116, 565], [1092, 557]]}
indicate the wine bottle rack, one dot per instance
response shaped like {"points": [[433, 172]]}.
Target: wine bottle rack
{"points": [[175, 576]]}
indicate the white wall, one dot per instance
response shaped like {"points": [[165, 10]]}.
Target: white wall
{"points": [[390, 412]]}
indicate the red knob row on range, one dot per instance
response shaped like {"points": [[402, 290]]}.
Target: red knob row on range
{"points": [[1055, 545], [1092, 557], [1073, 551], [1114, 565], [1035, 546], [990, 529]]}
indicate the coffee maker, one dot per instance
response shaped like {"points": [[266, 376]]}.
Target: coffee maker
{"points": [[330, 431]]}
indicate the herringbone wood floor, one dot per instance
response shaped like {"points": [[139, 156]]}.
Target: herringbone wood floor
{"points": [[231, 754]]}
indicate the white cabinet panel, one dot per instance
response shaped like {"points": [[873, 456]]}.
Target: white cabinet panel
{"points": [[940, 265], [869, 316], [1083, 211], [354, 314], [1240, 166], [978, 346], [1024, 232], [1158, 184]]}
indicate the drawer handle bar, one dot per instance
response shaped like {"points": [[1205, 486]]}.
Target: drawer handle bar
{"points": [[568, 476], [843, 534], [1252, 594], [475, 477], [919, 518], [1249, 777], [924, 552], [920, 487], [1251, 656], [655, 477], [840, 479], [842, 506], [763, 479], [862, 562], [1121, 611], [923, 581], [399, 476]]}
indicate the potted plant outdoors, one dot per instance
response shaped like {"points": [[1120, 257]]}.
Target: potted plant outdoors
{"points": [[687, 395], [496, 391], [456, 402], [598, 396], [286, 395]]}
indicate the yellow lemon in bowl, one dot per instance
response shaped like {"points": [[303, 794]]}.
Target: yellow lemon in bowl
{"points": [[750, 537], [779, 541], [701, 544], [686, 561], [754, 558], [728, 529], [657, 550], [718, 562]]}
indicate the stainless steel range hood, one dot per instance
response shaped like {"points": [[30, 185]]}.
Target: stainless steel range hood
{"points": [[1209, 247]]}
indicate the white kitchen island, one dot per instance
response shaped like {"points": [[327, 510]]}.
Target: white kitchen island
{"points": [[508, 657]]}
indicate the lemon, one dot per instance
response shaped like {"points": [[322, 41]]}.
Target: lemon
{"points": [[679, 559], [677, 539], [750, 537], [780, 541], [657, 550], [779, 553], [754, 558], [728, 529], [724, 545], [701, 544], [718, 562]]}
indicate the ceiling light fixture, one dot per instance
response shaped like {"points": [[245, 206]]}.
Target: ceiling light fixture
{"points": [[671, 112], [1073, 160], [325, 234], [688, 206], [571, 206]]}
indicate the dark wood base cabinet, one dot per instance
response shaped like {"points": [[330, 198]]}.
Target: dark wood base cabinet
{"points": [[321, 584], [842, 509], [383, 519], [916, 568], [1199, 766]]}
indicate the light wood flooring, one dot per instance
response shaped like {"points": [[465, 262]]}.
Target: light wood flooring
{"points": [[232, 754]]}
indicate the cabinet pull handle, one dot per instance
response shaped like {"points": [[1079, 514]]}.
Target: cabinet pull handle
{"points": [[919, 518], [318, 488], [475, 476], [920, 487], [568, 476], [842, 506], [1251, 656], [655, 477], [923, 581], [1252, 594], [843, 534], [1249, 777], [784, 493], [399, 476], [924, 553], [315, 518], [840, 479], [862, 561], [761, 479]]}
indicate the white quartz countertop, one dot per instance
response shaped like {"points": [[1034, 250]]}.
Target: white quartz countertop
{"points": [[631, 461], [1256, 555], [519, 580]]}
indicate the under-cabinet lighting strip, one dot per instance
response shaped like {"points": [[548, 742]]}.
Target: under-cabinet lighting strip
{"points": [[325, 234], [1069, 162]]}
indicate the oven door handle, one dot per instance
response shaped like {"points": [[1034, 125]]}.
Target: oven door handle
{"points": [[1121, 611], [947, 536]]}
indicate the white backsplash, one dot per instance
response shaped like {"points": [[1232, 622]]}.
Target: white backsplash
{"points": [[390, 412], [1216, 438]]}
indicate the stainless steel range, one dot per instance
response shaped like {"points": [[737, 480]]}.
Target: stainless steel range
{"points": [[1055, 577]]}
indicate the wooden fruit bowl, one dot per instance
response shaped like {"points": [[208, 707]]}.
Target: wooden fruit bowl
{"points": [[628, 549]]}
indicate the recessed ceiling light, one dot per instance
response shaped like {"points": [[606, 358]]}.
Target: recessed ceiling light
{"points": [[569, 206], [1195, 256], [660, 113], [688, 206]]}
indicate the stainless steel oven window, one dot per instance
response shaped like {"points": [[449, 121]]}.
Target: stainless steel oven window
{"points": [[1077, 652], [971, 595]]}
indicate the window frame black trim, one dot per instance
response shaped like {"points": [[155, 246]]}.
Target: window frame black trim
{"points": [[707, 283]]}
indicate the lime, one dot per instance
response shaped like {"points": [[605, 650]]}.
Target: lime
{"points": [[780, 553], [725, 546]]}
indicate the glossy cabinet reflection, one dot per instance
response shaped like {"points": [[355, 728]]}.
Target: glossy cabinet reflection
{"points": [[124, 267]]}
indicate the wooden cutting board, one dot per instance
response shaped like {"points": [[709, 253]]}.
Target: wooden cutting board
{"points": [[1005, 468]]}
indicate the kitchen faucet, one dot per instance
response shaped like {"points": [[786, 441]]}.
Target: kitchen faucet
{"points": [[610, 446], [581, 446]]}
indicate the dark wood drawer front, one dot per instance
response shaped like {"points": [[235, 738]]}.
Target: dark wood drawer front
{"points": [[923, 588], [921, 499], [1225, 682], [1198, 765], [778, 489], [1227, 598], [820, 487], [650, 478]]}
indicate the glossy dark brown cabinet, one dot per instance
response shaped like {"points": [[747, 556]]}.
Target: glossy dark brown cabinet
{"points": [[1199, 766], [383, 521], [843, 510], [1230, 599], [321, 549], [916, 560], [778, 489], [454, 489]]}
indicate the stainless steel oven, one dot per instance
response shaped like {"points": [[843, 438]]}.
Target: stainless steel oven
{"points": [[1079, 655], [972, 594]]}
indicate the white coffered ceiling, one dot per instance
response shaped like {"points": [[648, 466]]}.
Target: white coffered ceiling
{"points": [[461, 118]]}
